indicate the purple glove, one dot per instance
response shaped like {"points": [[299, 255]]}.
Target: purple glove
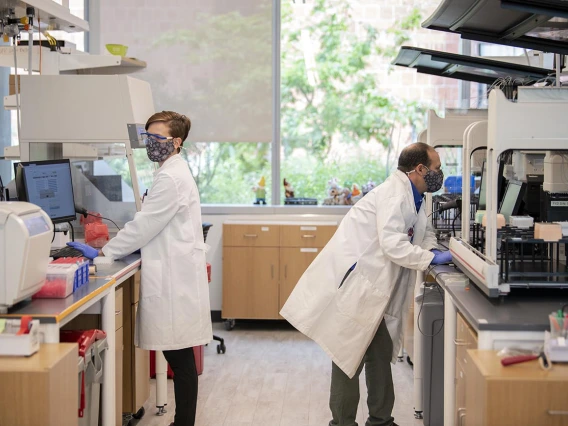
{"points": [[88, 251], [441, 257]]}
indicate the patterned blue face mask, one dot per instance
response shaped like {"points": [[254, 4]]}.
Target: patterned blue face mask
{"points": [[159, 148]]}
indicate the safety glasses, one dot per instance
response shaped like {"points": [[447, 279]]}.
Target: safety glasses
{"points": [[152, 137]]}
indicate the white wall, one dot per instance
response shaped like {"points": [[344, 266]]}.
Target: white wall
{"points": [[215, 240]]}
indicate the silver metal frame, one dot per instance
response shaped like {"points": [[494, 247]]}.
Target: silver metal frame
{"points": [[275, 160]]}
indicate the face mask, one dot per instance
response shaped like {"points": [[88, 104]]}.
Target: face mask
{"points": [[159, 151], [434, 180]]}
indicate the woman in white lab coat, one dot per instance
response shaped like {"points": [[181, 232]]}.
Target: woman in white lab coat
{"points": [[352, 299], [173, 313]]}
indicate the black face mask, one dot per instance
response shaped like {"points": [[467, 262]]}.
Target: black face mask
{"points": [[434, 180]]}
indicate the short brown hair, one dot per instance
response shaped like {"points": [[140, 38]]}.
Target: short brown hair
{"points": [[178, 124]]}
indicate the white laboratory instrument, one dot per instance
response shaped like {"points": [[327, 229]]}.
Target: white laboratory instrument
{"points": [[25, 241]]}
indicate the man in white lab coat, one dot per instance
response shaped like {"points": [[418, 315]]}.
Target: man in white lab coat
{"points": [[353, 297], [173, 312]]}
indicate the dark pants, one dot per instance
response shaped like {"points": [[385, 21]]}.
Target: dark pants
{"points": [[182, 362], [344, 396]]}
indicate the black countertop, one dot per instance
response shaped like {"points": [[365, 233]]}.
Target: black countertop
{"points": [[520, 310]]}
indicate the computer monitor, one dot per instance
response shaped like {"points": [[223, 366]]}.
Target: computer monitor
{"points": [[47, 184], [482, 203], [512, 200]]}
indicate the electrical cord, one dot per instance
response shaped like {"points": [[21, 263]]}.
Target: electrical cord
{"points": [[110, 220], [422, 304], [454, 222], [72, 231]]}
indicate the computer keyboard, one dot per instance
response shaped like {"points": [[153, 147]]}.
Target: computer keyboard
{"points": [[65, 252]]}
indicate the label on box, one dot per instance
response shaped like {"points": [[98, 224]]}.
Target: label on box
{"points": [[265, 229], [559, 203], [308, 228], [308, 250]]}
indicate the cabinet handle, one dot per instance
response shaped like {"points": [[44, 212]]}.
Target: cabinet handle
{"points": [[117, 312], [460, 342], [285, 271], [272, 271], [250, 236], [557, 413], [461, 416], [308, 236]]}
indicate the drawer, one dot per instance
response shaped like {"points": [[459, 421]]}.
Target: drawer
{"points": [[466, 339], [306, 235], [251, 235], [118, 308]]}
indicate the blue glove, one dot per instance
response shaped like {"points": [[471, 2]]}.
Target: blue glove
{"points": [[88, 251], [441, 257]]}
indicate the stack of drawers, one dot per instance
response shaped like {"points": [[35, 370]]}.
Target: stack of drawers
{"points": [[262, 264]]}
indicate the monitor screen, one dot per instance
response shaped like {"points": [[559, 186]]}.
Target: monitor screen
{"points": [[512, 200], [48, 185]]}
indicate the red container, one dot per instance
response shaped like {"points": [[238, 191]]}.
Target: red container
{"points": [[197, 352], [85, 340]]}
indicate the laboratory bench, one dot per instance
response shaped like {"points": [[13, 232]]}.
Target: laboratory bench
{"points": [[474, 321], [109, 303]]}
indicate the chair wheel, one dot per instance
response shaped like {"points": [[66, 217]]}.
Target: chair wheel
{"points": [[139, 414], [221, 349], [409, 361]]}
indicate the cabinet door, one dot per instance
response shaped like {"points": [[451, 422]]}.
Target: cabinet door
{"points": [[460, 394], [250, 282], [293, 263], [119, 338]]}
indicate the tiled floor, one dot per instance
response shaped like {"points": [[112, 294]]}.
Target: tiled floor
{"points": [[272, 375]]}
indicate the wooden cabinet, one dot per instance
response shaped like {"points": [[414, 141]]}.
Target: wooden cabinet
{"points": [[136, 362], [460, 395], [250, 282], [40, 389], [518, 395], [119, 338], [466, 338], [262, 264], [293, 263]]}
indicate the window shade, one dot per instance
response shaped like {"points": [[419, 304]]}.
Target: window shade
{"points": [[210, 60]]}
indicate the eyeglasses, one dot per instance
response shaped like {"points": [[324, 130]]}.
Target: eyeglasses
{"points": [[152, 137]]}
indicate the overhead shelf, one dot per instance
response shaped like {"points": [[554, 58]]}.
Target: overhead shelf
{"points": [[543, 7], [468, 68], [487, 21], [53, 16], [59, 63]]}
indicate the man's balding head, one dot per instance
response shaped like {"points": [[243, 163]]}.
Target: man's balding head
{"points": [[414, 155]]}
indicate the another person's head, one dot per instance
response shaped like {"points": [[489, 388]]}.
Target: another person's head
{"points": [[422, 164], [166, 132]]}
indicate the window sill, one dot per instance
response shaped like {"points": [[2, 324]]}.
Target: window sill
{"points": [[239, 209]]}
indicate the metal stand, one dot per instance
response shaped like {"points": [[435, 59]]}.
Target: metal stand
{"points": [[161, 383]]}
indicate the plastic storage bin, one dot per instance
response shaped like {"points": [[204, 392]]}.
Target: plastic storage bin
{"points": [[431, 321], [59, 281], [92, 349], [82, 274]]}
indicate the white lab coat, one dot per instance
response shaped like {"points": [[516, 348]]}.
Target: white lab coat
{"points": [[173, 312], [377, 234]]}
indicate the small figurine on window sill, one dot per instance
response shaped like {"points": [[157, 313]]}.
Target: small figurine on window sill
{"points": [[260, 191], [368, 187], [289, 191]]}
